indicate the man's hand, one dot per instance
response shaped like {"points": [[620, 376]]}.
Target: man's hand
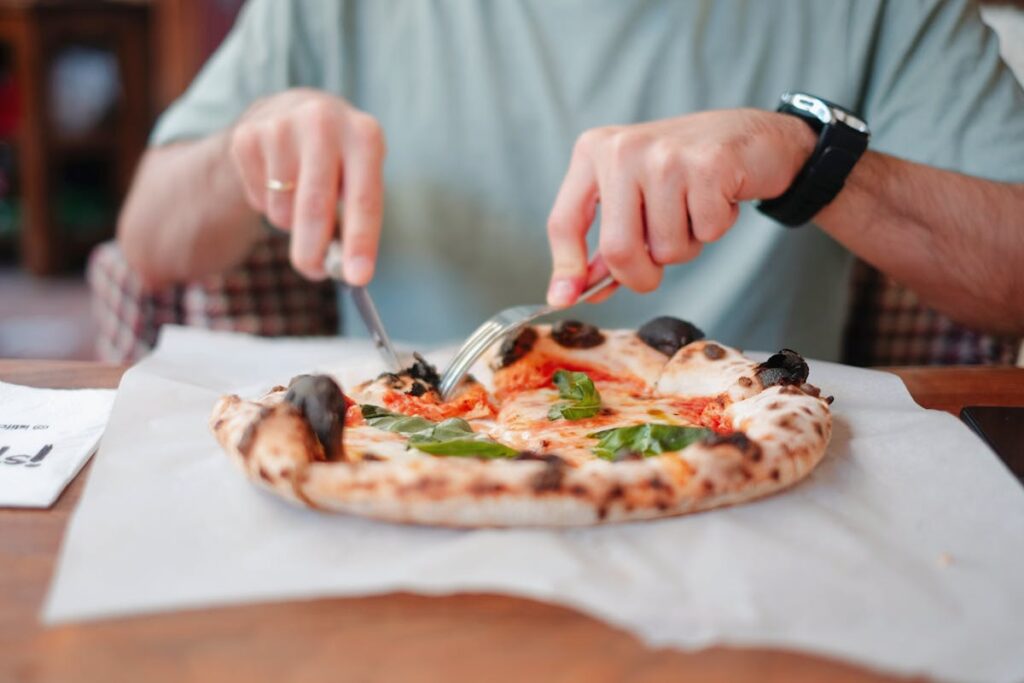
{"points": [[327, 150], [665, 188]]}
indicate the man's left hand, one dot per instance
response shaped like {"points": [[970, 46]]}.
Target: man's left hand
{"points": [[666, 188]]}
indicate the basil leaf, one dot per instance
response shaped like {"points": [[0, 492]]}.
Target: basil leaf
{"points": [[584, 400], [453, 436], [382, 418], [645, 439], [473, 448]]}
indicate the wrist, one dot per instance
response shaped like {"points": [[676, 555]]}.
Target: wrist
{"points": [[800, 141], [840, 139]]}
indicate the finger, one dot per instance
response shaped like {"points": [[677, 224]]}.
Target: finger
{"points": [[571, 217], [316, 199], [597, 271], [282, 164], [622, 242], [249, 162], [711, 214], [669, 239], [363, 192]]}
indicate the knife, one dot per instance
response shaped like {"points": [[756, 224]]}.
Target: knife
{"points": [[367, 310]]}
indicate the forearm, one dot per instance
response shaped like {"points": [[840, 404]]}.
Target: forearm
{"points": [[956, 240], [186, 215]]}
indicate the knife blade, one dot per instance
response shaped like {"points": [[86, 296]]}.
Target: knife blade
{"points": [[366, 308]]}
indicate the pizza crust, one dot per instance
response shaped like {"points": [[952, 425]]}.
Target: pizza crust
{"points": [[779, 434]]}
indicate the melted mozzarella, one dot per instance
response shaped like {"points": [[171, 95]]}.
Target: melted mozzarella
{"points": [[523, 422]]}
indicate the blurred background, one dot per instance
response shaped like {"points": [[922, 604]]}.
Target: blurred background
{"points": [[81, 82]]}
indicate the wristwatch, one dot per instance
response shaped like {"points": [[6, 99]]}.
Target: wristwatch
{"points": [[842, 139]]}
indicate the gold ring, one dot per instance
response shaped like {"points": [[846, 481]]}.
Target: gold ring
{"points": [[275, 185]]}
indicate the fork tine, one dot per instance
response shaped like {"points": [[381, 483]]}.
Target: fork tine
{"points": [[504, 322], [482, 339]]}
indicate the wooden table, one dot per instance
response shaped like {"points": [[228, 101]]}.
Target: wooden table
{"points": [[396, 637]]}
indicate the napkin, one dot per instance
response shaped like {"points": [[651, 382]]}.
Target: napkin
{"points": [[903, 550], [46, 435]]}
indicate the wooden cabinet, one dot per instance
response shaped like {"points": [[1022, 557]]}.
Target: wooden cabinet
{"points": [[47, 158]]}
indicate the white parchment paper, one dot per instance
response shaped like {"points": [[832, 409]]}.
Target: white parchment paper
{"points": [[904, 550]]}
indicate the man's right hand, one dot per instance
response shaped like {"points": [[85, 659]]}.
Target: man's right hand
{"points": [[323, 150]]}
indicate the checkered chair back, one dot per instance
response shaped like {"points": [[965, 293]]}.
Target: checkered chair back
{"points": [[888, 325], [263, 296]]}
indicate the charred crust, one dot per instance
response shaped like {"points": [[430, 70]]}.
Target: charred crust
{"points": [[573, 334], [818, 429], [320, 402], [265, 476], [774, 405], [667, 334], [550, 478], [829, 399], [747, 447], [549, 458], [423, 371], [248, 437], [370, 457], [707, 486], [417, 389], [613, 494], [775, 474], [786, 368], [514, 348], [487, 488], [578, 490], [606, 411], [656, 483], [744, 381], [276, 388], [786, 422], [811, 390], [714, 352]]}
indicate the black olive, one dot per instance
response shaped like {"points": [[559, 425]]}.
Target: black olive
{"points": [[784, 367], [572, 334], [514, 348], [319, 399], [423, 370], [668, 334]]}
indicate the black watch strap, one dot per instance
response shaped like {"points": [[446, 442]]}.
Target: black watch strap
{"points": [[822, 177]]}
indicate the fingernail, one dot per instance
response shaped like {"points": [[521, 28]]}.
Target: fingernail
{"points": [[358, 270], [562, 292]]}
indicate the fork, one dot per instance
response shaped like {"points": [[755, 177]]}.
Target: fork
{"points": [[503, 323]]}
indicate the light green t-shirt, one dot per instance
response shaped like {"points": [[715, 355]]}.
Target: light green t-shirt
{"points": [[481, 102]]}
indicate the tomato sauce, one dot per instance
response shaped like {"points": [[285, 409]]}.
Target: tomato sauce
{"points": [[537, 373], [470, 403]]}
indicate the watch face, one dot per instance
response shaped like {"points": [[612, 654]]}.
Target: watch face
{"points": [[824, 111]]}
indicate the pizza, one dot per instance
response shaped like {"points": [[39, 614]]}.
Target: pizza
{"points": [[578, 426]]}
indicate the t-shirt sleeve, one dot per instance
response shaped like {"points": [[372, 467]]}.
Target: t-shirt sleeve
{"points": [[940, 94], [260, 56]]}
